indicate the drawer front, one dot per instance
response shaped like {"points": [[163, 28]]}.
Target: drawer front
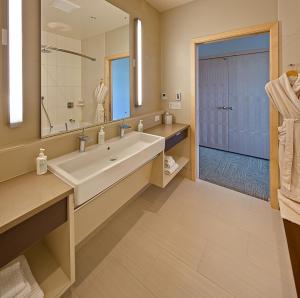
{"points": [[175, 139], [17, 239]]}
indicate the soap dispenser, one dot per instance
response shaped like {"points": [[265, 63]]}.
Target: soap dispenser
{"points": [[101, 136], [41, 163], [141, 126]]}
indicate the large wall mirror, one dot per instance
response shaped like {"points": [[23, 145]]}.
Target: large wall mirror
{"points": [[85, 64]]}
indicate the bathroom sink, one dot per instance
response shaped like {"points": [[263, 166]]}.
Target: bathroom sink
{"points": [[101, 166]]}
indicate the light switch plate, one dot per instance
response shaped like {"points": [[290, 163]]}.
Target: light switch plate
{"points": [[156, 118], [4, 37], [178, 96], [175, 105]]}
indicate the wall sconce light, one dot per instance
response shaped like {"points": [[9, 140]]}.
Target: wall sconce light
{"points": [[138, 63], [15, 62]]}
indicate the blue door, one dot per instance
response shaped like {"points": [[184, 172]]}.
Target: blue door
{"points": [[120, 82]]}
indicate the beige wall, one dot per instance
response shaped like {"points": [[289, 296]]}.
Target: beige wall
{"points": [[288, 15], [29, 131], [197, 19]]}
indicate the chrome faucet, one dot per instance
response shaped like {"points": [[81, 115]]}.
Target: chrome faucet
{"points": [[83, 139], [123, 128]]}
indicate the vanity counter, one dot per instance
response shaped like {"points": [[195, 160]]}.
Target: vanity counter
{"points": [[167, 131], [26, 195]]}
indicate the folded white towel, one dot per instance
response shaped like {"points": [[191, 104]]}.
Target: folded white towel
{"points": [[169, 158], [169, 161], [26, 292], [36, 291], [170, 171], [12, 280], [170, 164], [29, 289]]}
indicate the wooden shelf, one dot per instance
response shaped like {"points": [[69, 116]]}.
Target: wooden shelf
{"points": [[48, 274], [182, 162]]}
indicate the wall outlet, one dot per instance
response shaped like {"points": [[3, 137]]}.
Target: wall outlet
{"points": [[163, 96], [157, 118], [175, 105]]}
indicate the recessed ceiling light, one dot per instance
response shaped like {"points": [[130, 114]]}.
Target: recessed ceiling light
{"points": [[65, 5]]}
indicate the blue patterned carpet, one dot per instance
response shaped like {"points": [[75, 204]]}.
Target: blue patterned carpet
{"points": [[242, 173]]}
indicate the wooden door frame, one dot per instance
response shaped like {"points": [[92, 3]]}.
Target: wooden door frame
{"points": [[107, 78], [273, 30]]}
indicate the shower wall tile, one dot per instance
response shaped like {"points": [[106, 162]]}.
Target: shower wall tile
{"points": [[61, 80]]}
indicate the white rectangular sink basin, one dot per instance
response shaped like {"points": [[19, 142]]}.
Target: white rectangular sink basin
{"points": [[101, 166]]}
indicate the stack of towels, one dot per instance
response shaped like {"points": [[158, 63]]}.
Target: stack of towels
{"points": [[170, 165], [16, 280]]}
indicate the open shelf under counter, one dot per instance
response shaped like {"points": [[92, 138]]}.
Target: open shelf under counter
{"points": [[177, 144], [182, 162], [37, 220], [45, 269]]}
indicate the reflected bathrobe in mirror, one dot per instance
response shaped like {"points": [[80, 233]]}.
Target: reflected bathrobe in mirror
{"points": [[100, 94], [284, 94]]}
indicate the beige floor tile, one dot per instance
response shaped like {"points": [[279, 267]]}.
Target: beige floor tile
{"points": [[137, 252], [238, 276], [188, 240], [112, 279], [171, 278], [214, 229]]}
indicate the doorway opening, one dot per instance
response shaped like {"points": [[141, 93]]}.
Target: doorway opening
{"points": [[117, 78], [233, 113]]}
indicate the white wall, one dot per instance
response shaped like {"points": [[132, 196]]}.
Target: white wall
{"points": [[60, 79], [99, 47], [92, 73], [288, 15], [117, 41], [201, 18]]}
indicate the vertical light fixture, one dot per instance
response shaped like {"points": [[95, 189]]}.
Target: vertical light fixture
{"points": [[15, 62], [138, 63]]}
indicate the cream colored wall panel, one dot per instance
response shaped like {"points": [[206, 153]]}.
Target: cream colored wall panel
{"points": [[288, 15], [98, 210]]}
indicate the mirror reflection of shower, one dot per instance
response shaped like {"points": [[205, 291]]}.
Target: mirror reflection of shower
{"points": [[46, 49], [85, 65], [46, 113]]}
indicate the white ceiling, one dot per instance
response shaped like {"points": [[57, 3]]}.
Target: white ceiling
{"points": [[107, 18], [163, 5]]}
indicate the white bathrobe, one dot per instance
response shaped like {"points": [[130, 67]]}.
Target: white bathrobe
{"points": [[283, 94], [100, 96]]}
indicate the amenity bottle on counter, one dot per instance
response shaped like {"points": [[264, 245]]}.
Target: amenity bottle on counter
{"points": [[168, 118], [101, 136], [41, 163], [141, 126]]}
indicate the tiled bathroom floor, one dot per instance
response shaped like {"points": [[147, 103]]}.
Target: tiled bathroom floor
{"points": [[188, 240]]}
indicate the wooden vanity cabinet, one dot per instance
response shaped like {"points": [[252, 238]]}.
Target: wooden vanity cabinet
{"points": [[16, 240]]}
